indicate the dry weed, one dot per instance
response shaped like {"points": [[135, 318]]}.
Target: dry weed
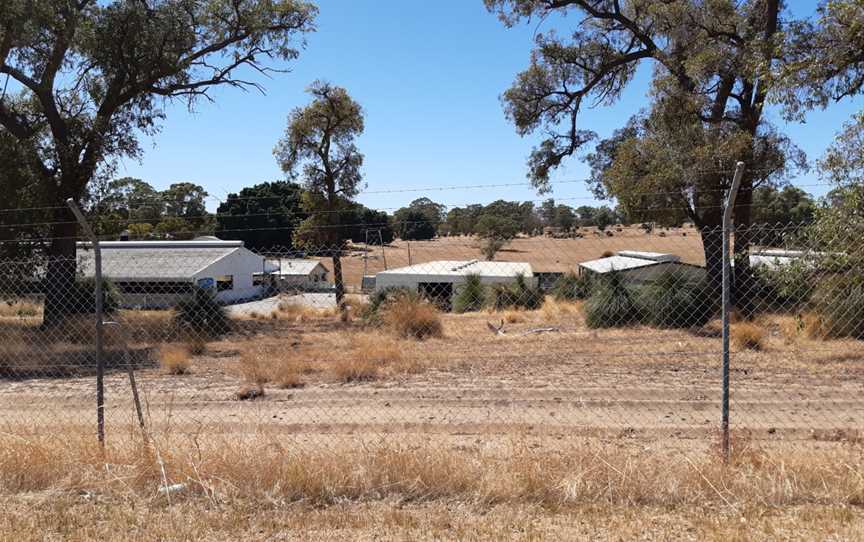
{"points": [[747, 336], [554, 310], [175, 359], [414, 319]]}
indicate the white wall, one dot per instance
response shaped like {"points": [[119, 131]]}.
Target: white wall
{"points": [[241, 264], [411, 281]]}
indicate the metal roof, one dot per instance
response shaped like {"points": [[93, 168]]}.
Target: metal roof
{"points": [[149, 260], [653, 256], [617, 263], [462, 268], [296, 266]]}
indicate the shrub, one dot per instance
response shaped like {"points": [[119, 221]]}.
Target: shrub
{"points": [[471, 297], [83, 297], [611, 303], [201, 314], [572, 287], [839, 305], [174, 360], [675, 301], [517, 295], [786, 288], [413, 317], [371, 313], [747, 336]]}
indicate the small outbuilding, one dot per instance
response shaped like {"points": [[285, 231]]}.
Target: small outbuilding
{"points": [[157, 274], [298, 274], [441, 280], [638, 267]]}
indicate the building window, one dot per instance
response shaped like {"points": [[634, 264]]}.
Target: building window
{"points": [[225, 282]]}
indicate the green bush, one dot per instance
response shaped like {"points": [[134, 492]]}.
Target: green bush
{"points": [[471, 297], [572, 287], [839, 304], [787, 288], [202, 315], [675, 301], [518, 295], [611, 303]]}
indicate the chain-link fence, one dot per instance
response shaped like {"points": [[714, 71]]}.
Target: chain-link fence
{"points": [[612, 335]]}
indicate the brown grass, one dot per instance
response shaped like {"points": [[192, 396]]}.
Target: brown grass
{"points": [[748, 336], [298, 312], [413, 319], [20, 308], [175, 359], [368, 357]]}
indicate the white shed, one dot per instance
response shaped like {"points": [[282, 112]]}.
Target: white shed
{"points": [[641, 267], [298, 274], [156, 274], [441, 279]]}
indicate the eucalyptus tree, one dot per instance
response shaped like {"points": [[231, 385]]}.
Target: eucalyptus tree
{"points": [[87, 78], [318, 148]]}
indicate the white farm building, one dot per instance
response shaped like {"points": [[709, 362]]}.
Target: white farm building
{"points": [[298, 274], [440, 280], [641, 267], [156, 274]]}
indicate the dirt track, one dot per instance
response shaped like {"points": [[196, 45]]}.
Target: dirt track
{"points": [[635, 384]]}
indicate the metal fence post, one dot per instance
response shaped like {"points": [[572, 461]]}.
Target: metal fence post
{"points": [[100, 358], [727, 271]]}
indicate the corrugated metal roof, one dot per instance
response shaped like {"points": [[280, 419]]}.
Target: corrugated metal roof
{"points": [[469, 267], [290, 267], [140, 261], [654, 256], [616, 263]]}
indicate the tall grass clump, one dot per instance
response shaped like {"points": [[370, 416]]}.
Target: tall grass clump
{"points": [[674, 300], [572, 287], [471, 297], [202, 315], [838, 304], [412, 317], [747, 336], [175, 360], [611, 304], [371, 313], [519, 295]]}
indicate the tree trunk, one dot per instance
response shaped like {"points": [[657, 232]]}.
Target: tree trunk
{"points": [[59, 283], [712, 248], [745, 288], [337, 278]]}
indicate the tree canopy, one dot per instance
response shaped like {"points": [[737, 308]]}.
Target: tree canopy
{"points": [[263, 216], [318, 148]]}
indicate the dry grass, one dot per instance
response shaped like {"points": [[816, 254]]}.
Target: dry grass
{"points": [[413, 319], [748, 336], [368, 357], [175, 359], [20, 308], [554, 310], [227, 469], [298, 312]]}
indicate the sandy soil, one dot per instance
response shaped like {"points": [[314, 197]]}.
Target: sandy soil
{"points": [[635, 384]]}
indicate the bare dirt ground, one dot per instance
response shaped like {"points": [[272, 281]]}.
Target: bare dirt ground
{"points": [[543, 253], [547, 375]]}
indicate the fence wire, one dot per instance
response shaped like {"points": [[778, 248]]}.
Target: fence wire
{"points": [[587, 334]]}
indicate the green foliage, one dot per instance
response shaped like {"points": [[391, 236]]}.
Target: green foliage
{"points": [[202, 315], [82, 300], [612, 303], [495, 232], [839, 305], [518, 295], [263, 216], [571, 287], [471, 297], [675, 301], [413, 225], [785, 288], [382, 298]]}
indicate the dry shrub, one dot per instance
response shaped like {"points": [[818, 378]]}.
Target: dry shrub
{"points": [[20, 308], [254, 367], [146, 326], [513, 317], [747, 336], [413, 318], [286, 374], [303, 313], [367, 358], [554, 310], [197, 346], [174, 359], [273, 364]]}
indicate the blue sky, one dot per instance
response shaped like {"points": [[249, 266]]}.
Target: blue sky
{"points": [[429, 76]]}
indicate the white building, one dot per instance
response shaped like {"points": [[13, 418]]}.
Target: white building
{"points": [[298, 274], [157, 274], [640, 267], [440, 280]]}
